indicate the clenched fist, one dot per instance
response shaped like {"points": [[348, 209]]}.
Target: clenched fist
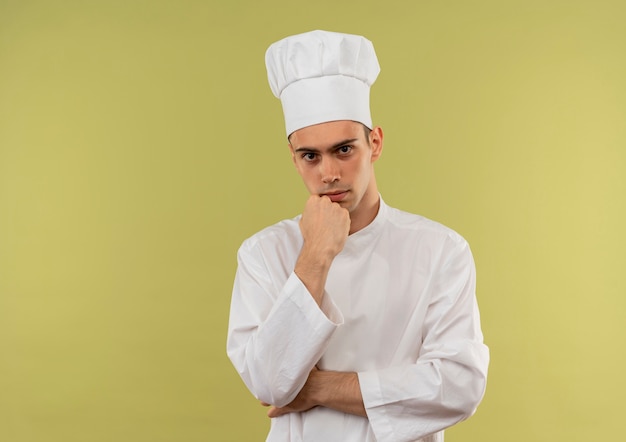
{"points": [[325, 226]]}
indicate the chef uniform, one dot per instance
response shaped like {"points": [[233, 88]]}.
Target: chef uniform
{"points": [[399, 307]]}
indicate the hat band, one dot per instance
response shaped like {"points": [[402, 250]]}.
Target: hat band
{"points": [[321, 99]]}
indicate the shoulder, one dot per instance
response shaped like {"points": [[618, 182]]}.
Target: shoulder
{"points": [[282, 233], [410, 224], [420, 239]]}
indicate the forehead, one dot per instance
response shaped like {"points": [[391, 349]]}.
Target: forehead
{"points": [[326, 134]]}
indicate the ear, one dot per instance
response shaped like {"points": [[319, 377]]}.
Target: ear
{"points": [[376, 142], [293, 159], [293, 154]]}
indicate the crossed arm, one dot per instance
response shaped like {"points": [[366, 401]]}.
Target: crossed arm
{"points": [[332, 389]]}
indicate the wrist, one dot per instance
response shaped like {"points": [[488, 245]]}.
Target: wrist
{"points": [[317, 383], [312, 269], [316, 255]]}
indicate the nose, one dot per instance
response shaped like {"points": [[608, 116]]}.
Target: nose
{"points": [[329, 170]]}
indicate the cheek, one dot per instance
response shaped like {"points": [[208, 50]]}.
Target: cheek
{"points": [[308, 179], [362, 171]]}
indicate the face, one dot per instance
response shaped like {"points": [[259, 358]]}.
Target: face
{"points": [[336, 159]]}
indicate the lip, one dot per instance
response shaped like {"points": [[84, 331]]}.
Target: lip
{"points": [[336, 197]]}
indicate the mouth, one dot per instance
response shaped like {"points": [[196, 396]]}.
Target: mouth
{"points": [[336, 196]]}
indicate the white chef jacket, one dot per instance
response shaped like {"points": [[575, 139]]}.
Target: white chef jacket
{"points": [[399, 309]]}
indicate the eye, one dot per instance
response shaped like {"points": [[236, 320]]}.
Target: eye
{"points": [[344, 149], [308, 156]]}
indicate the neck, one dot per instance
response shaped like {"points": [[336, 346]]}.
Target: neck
{"points": [[368, 209]]}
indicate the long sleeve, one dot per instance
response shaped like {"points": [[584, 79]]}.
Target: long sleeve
{"points": [[277, 332], [447, 381], [399, 310]]}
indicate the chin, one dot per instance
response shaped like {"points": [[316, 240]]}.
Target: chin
{"points": [[347, 205]]}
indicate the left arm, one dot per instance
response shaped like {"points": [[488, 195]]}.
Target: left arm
{"points": [[447, 381]]}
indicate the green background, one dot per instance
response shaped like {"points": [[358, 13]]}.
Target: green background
{"points": [[140, 145]]}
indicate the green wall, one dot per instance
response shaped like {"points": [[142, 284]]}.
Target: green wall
{"points": [[140, 144]]}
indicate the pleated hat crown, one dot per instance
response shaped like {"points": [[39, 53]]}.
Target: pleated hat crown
{"points": [[322, 76]]}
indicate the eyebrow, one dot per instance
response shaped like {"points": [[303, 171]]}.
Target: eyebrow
{"points": [[333, 147]]}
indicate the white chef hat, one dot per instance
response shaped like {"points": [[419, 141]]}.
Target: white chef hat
{"points": [[322, 76]]}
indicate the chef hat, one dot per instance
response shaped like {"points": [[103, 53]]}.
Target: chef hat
{"points": [[322, 76]]}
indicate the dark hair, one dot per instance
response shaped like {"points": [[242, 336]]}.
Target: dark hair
{"points": [[367, 131]]}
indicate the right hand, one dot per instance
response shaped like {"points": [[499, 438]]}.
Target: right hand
{"points": [[325, 226]]}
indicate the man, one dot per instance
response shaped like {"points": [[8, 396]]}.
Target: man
{"points": [[354, 321]]}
